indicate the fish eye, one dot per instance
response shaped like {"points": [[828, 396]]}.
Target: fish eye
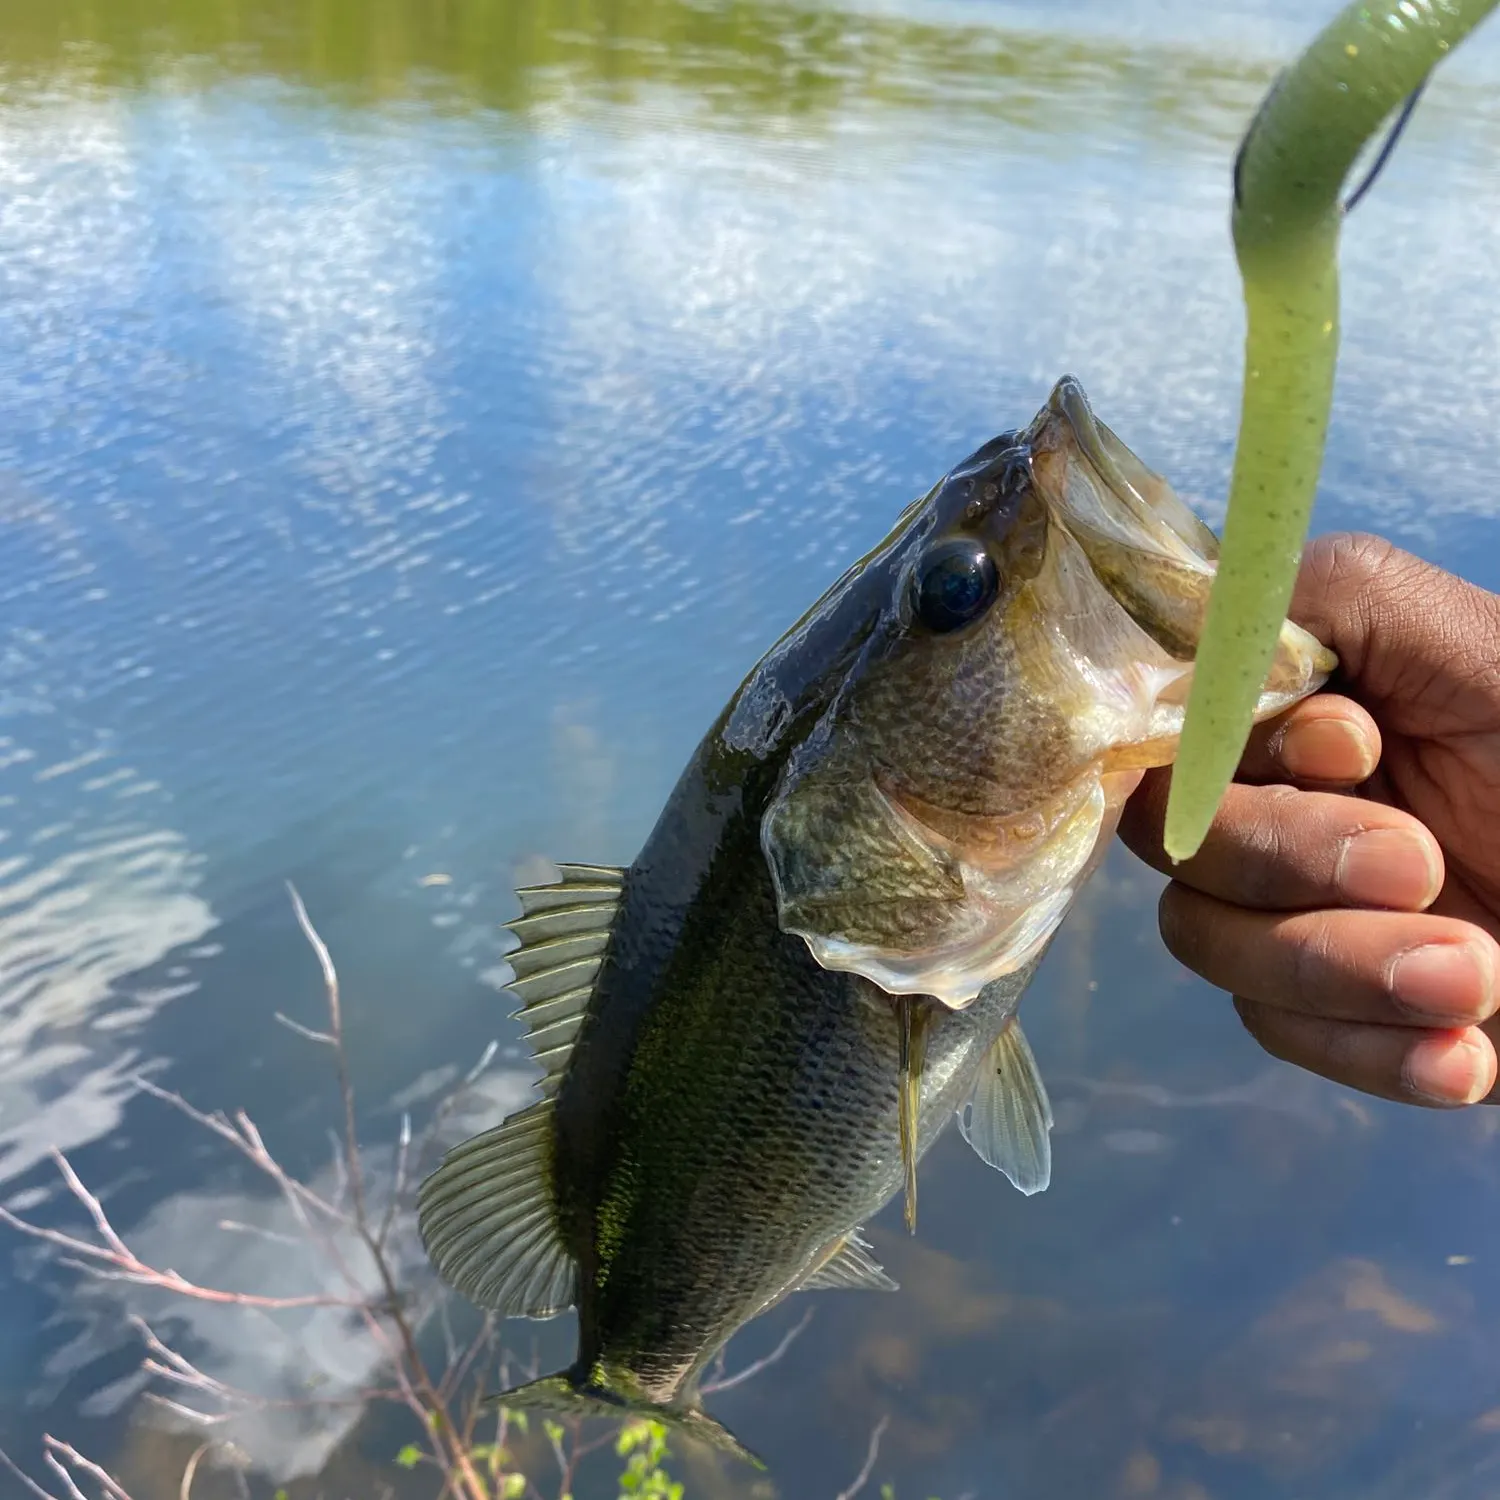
{"points": [[956, 582]]}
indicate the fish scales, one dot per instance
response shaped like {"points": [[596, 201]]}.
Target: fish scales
{"points": [[730, 1112]]}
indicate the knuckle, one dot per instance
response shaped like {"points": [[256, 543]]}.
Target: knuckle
{"points": [[1342, 1054], [1334, 590], [1311, 957], [1178, 932], [1269, 857], [1258, 1020], [1341, 564]]}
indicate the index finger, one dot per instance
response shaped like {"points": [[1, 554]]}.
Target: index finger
{"points": [[1277, 848], [1324, 741]]}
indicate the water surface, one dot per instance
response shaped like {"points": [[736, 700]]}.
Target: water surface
{"points": [[414, 420]]}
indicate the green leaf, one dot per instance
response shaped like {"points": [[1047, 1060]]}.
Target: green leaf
{"points": [[409, 1457], [512, 1486], [555, 1431]]}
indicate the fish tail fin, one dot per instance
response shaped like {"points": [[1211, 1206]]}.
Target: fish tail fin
{"points": [[567, 1394]]}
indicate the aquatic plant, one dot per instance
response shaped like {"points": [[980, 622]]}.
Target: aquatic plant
{"points": [[1288, 180], [471, 1447]]}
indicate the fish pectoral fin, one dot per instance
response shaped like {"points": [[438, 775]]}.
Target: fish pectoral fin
{"points": [[563, 930], [850, 1267], [1008, 1116], [489, 1223], [566, 1394]]}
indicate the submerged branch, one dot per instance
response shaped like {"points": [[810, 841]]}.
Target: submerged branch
{"points": [[728, 1382], [871, 1454], [115, 1261]]}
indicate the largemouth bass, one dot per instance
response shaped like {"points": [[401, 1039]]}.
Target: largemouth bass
{"points": [[751, 1036]]}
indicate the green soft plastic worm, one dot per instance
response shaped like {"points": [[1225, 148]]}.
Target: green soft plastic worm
{"points": [[1287, 212]]}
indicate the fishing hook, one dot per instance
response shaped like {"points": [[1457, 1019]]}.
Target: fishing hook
{"points": [[1392, 137], [1384, 155]]}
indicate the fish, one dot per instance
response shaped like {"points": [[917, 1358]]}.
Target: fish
{"points": [[750, 1037]]}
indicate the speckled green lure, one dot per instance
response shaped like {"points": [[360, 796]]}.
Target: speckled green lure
{"points": [[1287, 214]]}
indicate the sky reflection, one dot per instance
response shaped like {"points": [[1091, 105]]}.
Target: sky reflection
{"points": [[411, 430]]}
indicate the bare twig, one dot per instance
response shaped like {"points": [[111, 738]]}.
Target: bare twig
{"points": [[398, 1179], [460, 1364], [466, 1082], [340, 1171], [336, 1039], [32, 1487], [564, 1467], [233, 1226], [185, 1489], [412, 1372], [171, 1365], [871, 1453], [764, 1363], [59, 1452], [253, 1149], [321, 1037], [70, 1485], [115, 1261]]}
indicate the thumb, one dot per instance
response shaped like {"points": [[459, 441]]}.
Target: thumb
{"points": [[1415, 643]]}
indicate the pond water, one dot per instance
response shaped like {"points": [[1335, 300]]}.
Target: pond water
{"points": [[414, 420]]}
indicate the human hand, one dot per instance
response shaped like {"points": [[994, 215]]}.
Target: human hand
{"points": [[1348, 893]]}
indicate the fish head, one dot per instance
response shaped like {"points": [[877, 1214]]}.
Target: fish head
{"points": [[1024, 653]]}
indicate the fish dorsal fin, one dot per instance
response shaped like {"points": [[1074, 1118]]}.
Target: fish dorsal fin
{"points": [[851, 1267], [489, 1223], [563, 929], [1008, 1116]]}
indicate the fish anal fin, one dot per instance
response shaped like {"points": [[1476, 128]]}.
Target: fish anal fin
{"points": [[1008, 1116], [489, 1224], [851, 1267], [568, 1394]]}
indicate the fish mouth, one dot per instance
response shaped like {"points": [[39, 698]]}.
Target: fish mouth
{"points": [[1141, 507], [939, 880], [1143, 543]]}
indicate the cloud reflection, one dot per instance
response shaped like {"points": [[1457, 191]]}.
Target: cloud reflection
{"points": [[76, 923]]}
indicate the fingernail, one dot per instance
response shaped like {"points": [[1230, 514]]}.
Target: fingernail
{"points": [[1326, 749], [1448, 1070], [1448, 981], [1395, 867]]}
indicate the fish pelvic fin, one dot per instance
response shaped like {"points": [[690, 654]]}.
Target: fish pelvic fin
{"points": [[1008, 1117], [595, 1396], [911, 1027]]}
